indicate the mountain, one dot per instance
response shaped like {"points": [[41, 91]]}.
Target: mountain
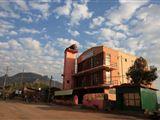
{"points": [[29, 77]]}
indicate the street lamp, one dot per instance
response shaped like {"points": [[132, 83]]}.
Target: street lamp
{"points": [[39, 89]]}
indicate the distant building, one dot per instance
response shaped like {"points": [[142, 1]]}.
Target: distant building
{"points": [[98, 69]]}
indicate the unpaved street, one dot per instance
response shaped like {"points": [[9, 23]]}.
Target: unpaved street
{"points": [[21, 111]]}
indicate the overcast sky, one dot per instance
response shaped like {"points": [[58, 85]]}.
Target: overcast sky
{"points": [[34, 35]]}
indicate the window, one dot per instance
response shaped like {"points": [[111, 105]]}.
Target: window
{"points": [[108, 76], [68, 81], [98, 59], [89, 79], [95, 78], [131, 99], [108, 60], [125, 59], [92, 62]]}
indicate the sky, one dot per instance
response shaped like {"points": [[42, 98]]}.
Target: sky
{"points": [[34, 33]]}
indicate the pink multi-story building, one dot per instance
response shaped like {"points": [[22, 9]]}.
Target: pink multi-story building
{"points": [[98, 69]]}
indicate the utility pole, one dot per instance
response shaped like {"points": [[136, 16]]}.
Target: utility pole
{"points": [[5, 80], [49, 90], [22, 85]]}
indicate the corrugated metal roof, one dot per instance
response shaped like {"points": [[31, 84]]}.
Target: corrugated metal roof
{"points": [[63, 92]]}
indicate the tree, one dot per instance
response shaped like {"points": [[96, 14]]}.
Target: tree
{"points": [[140, 73]]}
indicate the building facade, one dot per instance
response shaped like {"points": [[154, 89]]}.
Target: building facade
{"points": [[98, 69], [102, 66]]}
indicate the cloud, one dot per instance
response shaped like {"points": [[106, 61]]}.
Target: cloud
{"points": [[106, 33], [90, 44], [139, 36], [4, 45], [117, 33], [74, 11], [109, 34], [125, 11], [112, 44], [6, 25], [5, 14], [63, 42], [6, 28], [64, 10], [14, 45], [121, 27], [22, 4], [28, 20], [129, 26], [138, 30], [41, 7], [73, 33], [79, 12], [13, 33], [30, 43], [147, 28], [46, 37], [91, 32], [26, 30], [97, 21], [32, 55], [50, 50], [19, 8]]}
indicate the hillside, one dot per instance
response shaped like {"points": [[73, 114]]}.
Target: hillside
{"points": [[29, 78]]}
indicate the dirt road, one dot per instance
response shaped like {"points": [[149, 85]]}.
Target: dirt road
{"points": [[20, 111]]}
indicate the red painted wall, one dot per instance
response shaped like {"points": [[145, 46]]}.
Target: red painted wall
{"points": [[69, 69]]}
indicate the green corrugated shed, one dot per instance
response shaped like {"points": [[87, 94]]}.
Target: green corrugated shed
{"points": [[148, 99], [139, 98]]}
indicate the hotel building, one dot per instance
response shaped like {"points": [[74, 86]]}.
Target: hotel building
{"points": [[95, 70]]}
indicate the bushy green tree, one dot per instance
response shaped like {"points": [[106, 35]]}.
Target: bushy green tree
{"points": [[140, 73]]}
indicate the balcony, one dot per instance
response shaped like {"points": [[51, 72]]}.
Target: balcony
{"points": [[94, 69]]}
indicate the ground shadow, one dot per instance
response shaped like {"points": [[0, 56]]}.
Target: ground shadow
{"points": [[114, 114]]}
